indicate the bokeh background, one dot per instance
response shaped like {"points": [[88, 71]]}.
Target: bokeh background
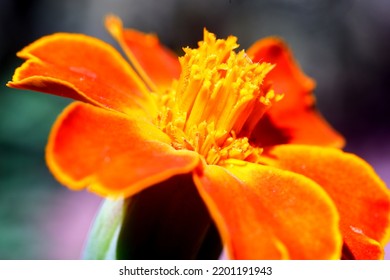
{"points": [[344, 45]]}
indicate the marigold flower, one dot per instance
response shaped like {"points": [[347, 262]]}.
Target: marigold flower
{"points": [[240, 128]]}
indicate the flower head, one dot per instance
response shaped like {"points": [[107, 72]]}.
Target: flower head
{"points": [[241, 125]]}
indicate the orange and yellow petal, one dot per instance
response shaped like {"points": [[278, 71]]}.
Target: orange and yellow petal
{"points": [[295, 116], [83, 68], [111, 153], [361, 197], [266, 213], [156, 64]]}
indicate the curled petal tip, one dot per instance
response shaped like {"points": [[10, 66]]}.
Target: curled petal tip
{"points": [[113, 24]]}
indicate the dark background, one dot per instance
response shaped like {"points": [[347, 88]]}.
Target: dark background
{"points": [[344, 45]]}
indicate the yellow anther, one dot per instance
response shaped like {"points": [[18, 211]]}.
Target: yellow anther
{"points": [[216, 95]]}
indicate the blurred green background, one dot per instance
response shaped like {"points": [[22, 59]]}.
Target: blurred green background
{"points": [[344, 45]]}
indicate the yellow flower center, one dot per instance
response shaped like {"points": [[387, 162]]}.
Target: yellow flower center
{"points": [[218, 95]]}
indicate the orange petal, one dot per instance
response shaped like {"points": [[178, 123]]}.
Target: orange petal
{"points": [[82, 68], [266, 213], [111, 153], [295, 115], [157, 65], [361, 197], [363, 247]]}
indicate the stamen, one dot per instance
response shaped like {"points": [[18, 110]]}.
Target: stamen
{"points": [[219, 94]]}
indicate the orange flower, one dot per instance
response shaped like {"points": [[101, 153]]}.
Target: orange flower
{"points": [[241, 125]]}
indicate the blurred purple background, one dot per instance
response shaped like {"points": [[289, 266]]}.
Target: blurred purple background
{"points": [[344, 45]]}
